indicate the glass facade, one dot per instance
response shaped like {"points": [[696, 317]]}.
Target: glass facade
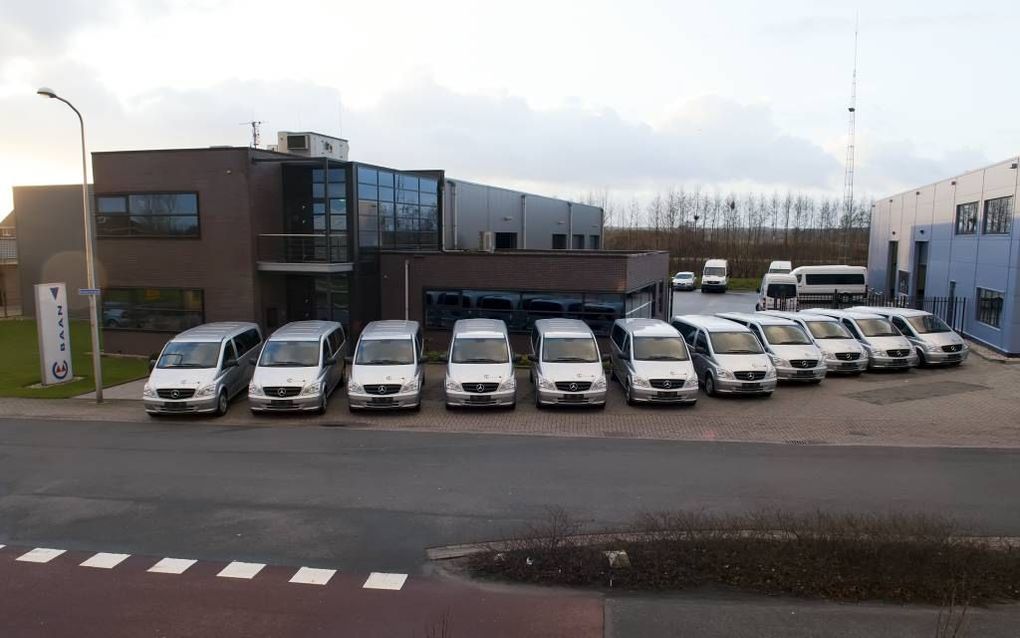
{"points": [[315, 213], [155, 309], [319, 297], [147, 215], [397, 210]]}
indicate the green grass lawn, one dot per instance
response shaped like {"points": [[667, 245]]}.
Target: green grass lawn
{"points": [[744, 283], [19, 363]]}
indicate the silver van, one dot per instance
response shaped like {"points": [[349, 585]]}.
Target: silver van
{"points": [[300, 366], [843, 353], [566, 365], [480, 365], [387, 370], [793, 353], [202, 369], [882, 341], [934, 341], [727, 357], [652, 363]]}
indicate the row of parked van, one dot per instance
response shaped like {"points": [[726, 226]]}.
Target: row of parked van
{"points": [[303, 363]]}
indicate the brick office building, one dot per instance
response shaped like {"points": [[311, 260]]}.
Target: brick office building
{"points": [[186, 236]]}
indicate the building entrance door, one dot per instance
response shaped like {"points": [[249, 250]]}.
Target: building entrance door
{"points": [[920, 268]]}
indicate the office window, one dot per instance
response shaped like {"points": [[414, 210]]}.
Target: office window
{"points": [[147, 215], [966, 218], [989, 306], [559, 241], [408, 210], [156, 309], [594, 242], [506, 241], [998, 216], [578, 242]]}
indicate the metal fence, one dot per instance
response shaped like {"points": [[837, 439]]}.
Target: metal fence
{"points": [[952, 310], [303, 248]]}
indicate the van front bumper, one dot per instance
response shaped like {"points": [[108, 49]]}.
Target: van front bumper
{"points": [[180, 406], [941, 357], [555, 397], [892, 363], [712, 286], [673, 395], [802, 374], [363, 400], [731, 386], [502, 398], [847, 367], [262, 403]]}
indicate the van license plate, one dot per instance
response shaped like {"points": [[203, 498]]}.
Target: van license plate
{"points": [[804, 373], [666, 395], [281, 403], [848, 366], [175, 406], [954, 357], [751, 387], [381, 400], [479, 398], [573, 398]]}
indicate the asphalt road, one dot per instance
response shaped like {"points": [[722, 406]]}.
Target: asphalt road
{"points": [[373, 501], [695, 302]]}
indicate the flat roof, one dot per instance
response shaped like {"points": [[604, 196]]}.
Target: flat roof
{"points": [[456, 180], [1011, 159]]}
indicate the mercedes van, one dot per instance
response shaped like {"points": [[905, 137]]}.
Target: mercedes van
{"points": [[202, 369], [934, 341], [651, 361], [848, 283], [782, 267], [882, 341], [388, 369], [777, 291], [566, 364], [727, 356], [480, 365], [793, 353], [715, 275], [301, 364], [843, 353]]}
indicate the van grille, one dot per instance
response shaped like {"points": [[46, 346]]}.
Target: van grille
{"points": [[750, 375], [479, 387], [956, 347], [573, 386], [282, 391], [898, 353], [382, 388], [666, 384], [848, 356], [803, 363], [175, 393]]}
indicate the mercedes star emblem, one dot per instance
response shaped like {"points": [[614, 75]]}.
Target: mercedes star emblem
{"points": [[480, 388], [667, 384], [176, 394], [282, 392], [573, 387], [381, 389]]}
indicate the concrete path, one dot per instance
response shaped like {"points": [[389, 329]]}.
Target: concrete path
{"points": [[130, 391]]}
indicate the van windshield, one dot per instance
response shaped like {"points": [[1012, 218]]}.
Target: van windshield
{"points": [[927, 324], [781, 291], [735, 343], [786, 335], [877, 328], [384, 352], [570, 350], [472, 350], [289, 354], [660, 349], [828, 330], [183, 354], [715, 271]]}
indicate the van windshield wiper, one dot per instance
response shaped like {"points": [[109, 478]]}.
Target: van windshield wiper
{"points": [[571, 360], [662, 357], [480, 360], [741, 352]]}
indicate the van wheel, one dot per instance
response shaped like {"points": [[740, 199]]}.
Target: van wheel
{"points": [[630, 394], [538, 401], [351, 408], [709, 385], [921, 361], [322, 405], [222, 403]]}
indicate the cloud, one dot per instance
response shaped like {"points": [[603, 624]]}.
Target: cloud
{"points": [[896, 166]]}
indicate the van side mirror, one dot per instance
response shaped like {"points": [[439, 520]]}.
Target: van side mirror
{"points": [[152, 361]]}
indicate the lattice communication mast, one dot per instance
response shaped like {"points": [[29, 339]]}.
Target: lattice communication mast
{"points": [[848, 178]]}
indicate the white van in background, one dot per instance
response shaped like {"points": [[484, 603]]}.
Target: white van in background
{"points": [[715, 275], [782, 267], [777, 291], [849, 283]]}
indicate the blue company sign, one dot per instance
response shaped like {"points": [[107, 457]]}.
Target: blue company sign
{"points": [[54, 338]]}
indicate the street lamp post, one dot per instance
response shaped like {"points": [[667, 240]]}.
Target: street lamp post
{"points": [[90, 249]]}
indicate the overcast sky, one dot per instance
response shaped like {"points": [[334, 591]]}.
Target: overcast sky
{"points": [[555, 97]]}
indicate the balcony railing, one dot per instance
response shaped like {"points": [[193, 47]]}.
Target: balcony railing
{"points": [[303, 249]]}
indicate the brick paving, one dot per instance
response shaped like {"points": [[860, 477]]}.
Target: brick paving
{"points": [[975, 405]]}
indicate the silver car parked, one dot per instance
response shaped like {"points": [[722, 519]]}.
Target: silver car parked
{"points": [[388, 367], [843, 353], [727, 357], [793, 353], [202, 369], [886, 347], [300, 366], [934, 341], [566, 364], [652, 363], [480, 367]]}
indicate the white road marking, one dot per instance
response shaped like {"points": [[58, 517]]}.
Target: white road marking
{"points": [[40, 555], [104, 560], [312, 576], [237, 569], [172, 566], [379, 580]]}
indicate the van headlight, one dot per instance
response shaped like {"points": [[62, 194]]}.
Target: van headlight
{"points": [[770, 373], [931, 347], [599, 383], [723, 373], [452, 385], [507, 384], [779, 362], [870, 351], [410, 386], [545, 384], [830, 356], [354, 386], [255, 389], [639, 382], [692, 382], [206, 391], [312, 389], [148, 392]]}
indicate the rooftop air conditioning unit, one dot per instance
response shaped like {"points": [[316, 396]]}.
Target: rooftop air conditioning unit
{"points": [[311, 144], [488, 241], [297, 142]]}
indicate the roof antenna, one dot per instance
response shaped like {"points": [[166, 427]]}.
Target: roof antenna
{"points": [[255, 131]]}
